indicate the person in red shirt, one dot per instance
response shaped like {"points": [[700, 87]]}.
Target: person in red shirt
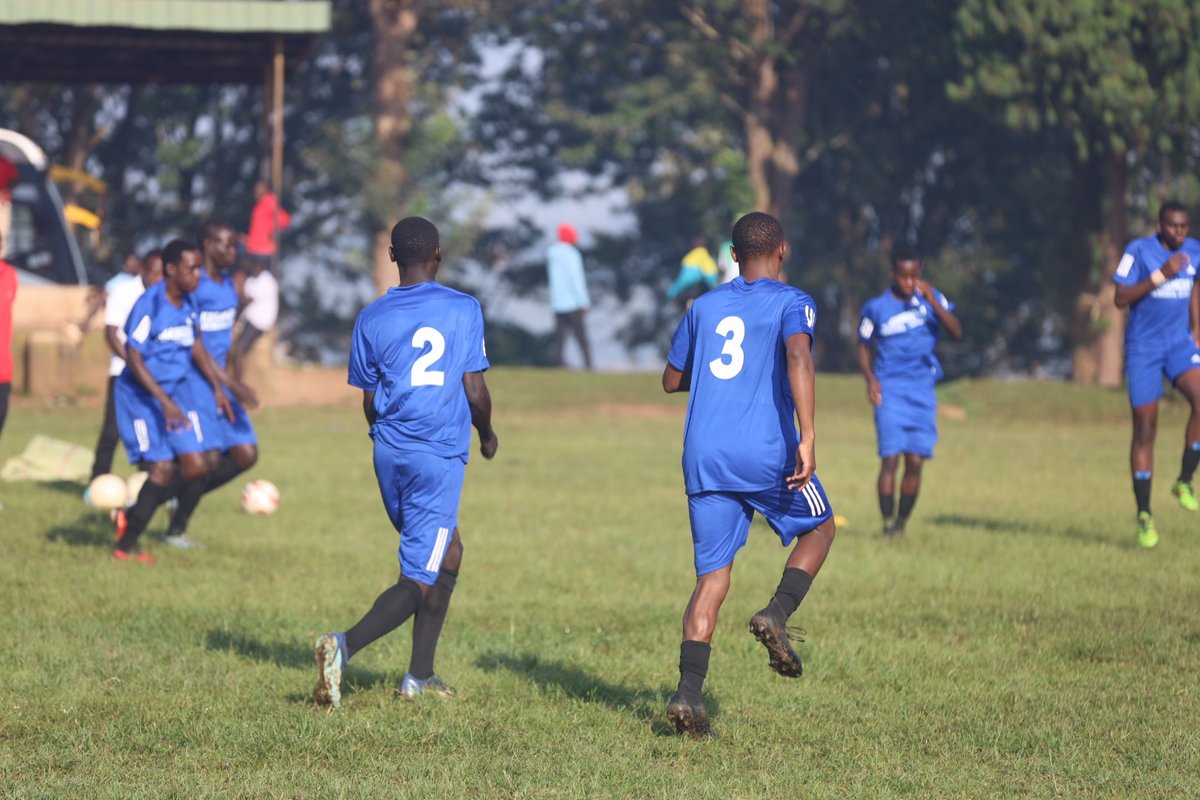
{"points": [[8, 295], [8, 178], [266, 220]]}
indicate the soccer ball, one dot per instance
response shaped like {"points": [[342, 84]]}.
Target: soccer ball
{"points": [[133, 487], [106, 492], [260, 498]]}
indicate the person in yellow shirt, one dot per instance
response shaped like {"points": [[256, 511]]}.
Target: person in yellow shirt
{"points": [[697, 274]]}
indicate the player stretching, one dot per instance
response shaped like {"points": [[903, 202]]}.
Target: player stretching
{"points": [[903, 324], [231, 446], [1156, 279], [156, 410], [418, 354], [744, 352]]}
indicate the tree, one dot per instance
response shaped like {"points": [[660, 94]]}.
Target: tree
{"points": [[1108, 82]]}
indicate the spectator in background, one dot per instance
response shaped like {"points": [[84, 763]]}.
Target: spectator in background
{"points": [[8, 296], [568, 293], [117, 306], [8, 177], [697, 274], [260, 297], [267, 219]]}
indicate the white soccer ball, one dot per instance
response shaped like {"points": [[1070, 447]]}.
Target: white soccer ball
{"points": [[106, 492], [260, 497], [133, 487]]}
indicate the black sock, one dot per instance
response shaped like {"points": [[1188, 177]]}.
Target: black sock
{"points": [[907, 501], [790, 592], [887, 505], [391, 609], [427, 626], [225, 471], [149, 499], [693, 669], [1141, 491], [189, 497], [1191, 457]]}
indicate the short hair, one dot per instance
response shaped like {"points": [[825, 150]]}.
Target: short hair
{"points": [[905, 252], [1171, 206], [172, 254], [152, 253], [414, 240], [208, 230], [756, 235]]}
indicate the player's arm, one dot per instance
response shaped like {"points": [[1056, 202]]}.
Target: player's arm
{"points": [[801, 378], [480, 401], [114, 343], [874, 390], [1194, 312], [171, 412], [369, 406], [1128, 294], [211, 372], [675, 380], [245, 395], [945, 316]]}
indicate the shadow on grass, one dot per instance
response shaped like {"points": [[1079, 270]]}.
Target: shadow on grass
{"points": [[1000, 525], [648, 705], [93, 529], [292, 655]]}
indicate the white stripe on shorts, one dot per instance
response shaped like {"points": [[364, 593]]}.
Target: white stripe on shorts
{"points": [[195, 418], [439, 550], [142, 434], [815, 504]]}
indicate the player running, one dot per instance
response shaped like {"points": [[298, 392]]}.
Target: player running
{"points": [[418, 354], [743, 351], [1156, 280], [903, 324], [232, 447], [156, 408]]}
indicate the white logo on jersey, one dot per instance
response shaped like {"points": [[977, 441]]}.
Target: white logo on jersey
{"points": [[182, 334], [142, 330], [217, 320], [810, 316], [1125, 265], [903, 322], [866, 328], [1178, 288]]}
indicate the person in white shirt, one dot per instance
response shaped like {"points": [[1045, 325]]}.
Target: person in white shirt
{"points": [[260, 294], [117, 306]]}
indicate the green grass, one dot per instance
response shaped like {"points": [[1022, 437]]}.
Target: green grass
{"points": [[1017, 644]]}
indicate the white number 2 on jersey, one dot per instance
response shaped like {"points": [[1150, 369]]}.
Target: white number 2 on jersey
{"points": [[422, 375], [734, 331]]}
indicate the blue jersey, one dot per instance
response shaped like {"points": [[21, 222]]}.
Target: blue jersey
{"points": [[218, 307], [411, 347], [740, 434], [904, 333], [1160, 319], [163, 334]]}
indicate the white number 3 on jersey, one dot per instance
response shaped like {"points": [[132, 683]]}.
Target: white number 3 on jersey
{"points": [[422, 375], [734, 331]]}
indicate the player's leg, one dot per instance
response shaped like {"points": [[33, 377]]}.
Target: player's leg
{"points": [[1188, 383], [427, 626], [910, 487], [1143, 380], [106, 445], [807, 517], [886, 487], [720, 524]]}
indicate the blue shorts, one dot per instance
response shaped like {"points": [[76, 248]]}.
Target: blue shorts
{"points": [[1144, 371], [721, 520], [906, 421], [225, 434], [420, 492], [143, 427]]}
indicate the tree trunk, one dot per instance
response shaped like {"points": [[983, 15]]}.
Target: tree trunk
{"points": [[394, 22]]}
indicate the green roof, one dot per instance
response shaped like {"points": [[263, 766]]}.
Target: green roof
{"points": [[228, 16]]}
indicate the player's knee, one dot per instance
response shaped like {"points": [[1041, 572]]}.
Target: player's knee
{"points": [[160, 472], [245, 456], [454, 554], [1144, 430]]}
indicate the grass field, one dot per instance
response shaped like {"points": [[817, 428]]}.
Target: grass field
{"points": [[1017, 644]]}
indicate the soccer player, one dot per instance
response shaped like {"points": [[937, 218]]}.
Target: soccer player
{"points": [[1156, 280], [903, 324], [156, 409], [418, 355], [743, 351], [117, 306], [232, 447]]}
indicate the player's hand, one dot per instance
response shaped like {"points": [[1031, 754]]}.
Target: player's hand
{"points": [[175, 418], [245, 395], [875, 393], [1175, 264], [806, 465], [223, 404], [487, 447], [926, 291]]}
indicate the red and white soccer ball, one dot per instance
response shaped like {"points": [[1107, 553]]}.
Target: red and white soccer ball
{"points": [[260, 498]]}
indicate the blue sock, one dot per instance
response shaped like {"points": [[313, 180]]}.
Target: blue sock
{"points": [[1141, 491]]}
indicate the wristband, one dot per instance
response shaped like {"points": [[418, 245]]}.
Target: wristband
{"points": [[1157, 277]]}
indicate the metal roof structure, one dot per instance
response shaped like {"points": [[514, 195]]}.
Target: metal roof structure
{"points": [[155, 41]]}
